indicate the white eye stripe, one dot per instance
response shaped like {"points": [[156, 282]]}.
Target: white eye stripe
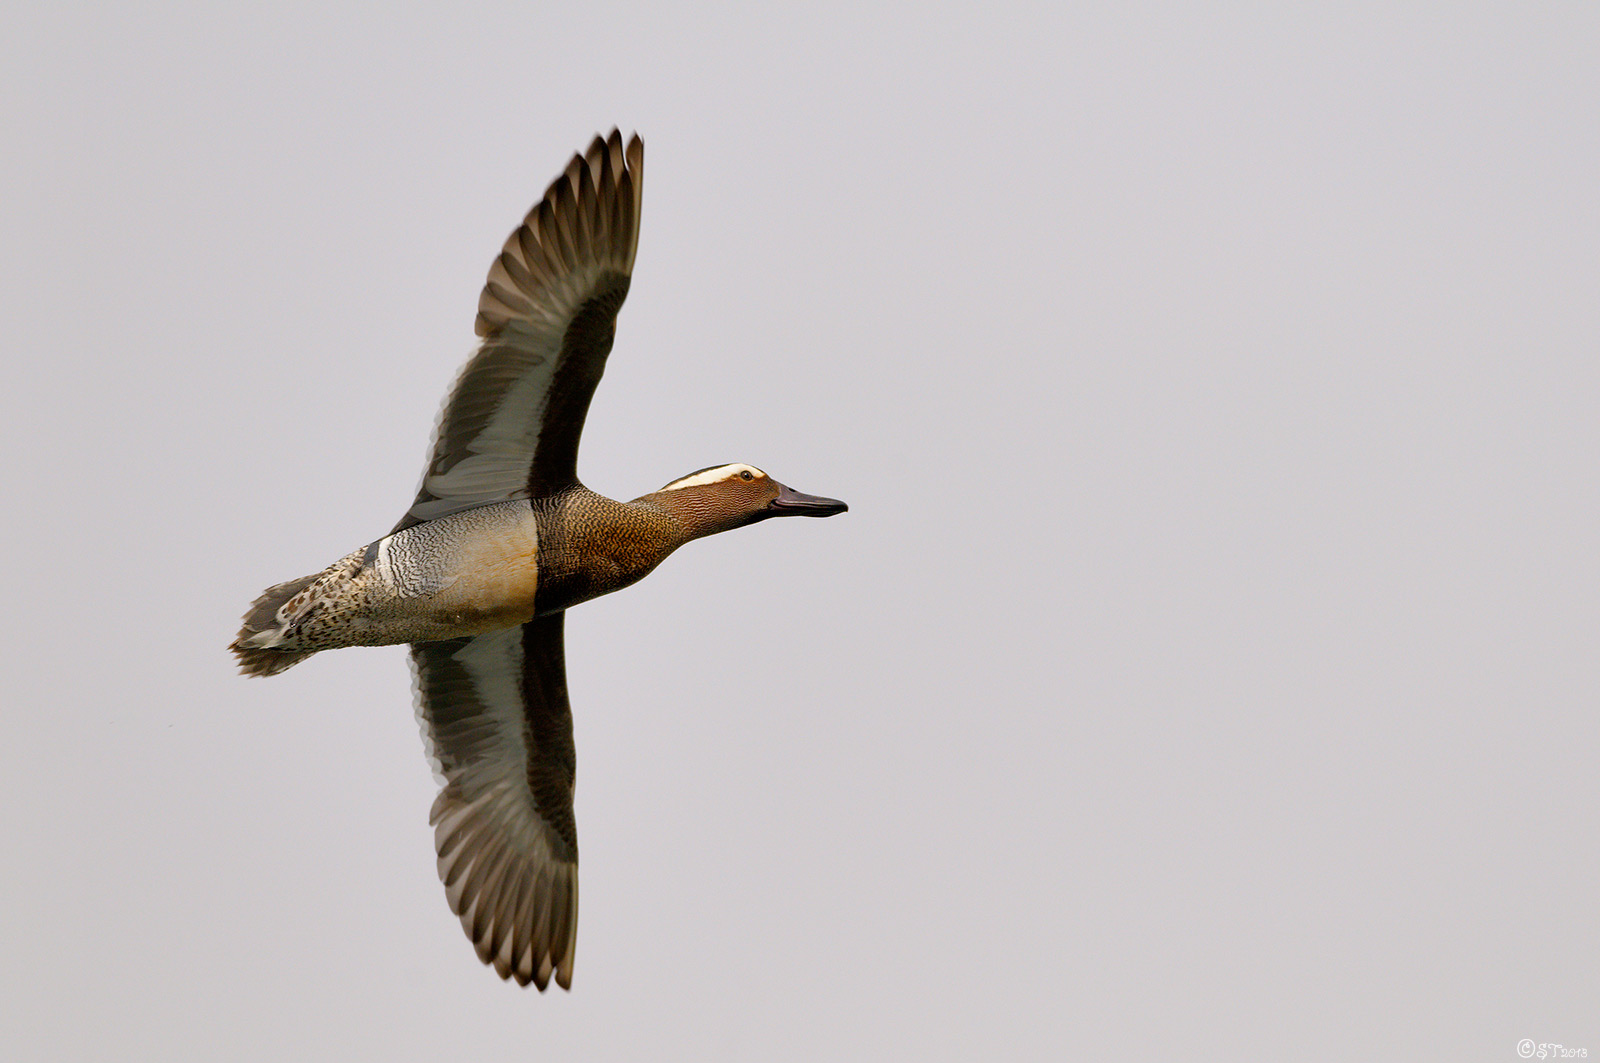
{"points": [[713, 475]]}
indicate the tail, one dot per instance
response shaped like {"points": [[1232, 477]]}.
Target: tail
{"points": [[262, 625]]}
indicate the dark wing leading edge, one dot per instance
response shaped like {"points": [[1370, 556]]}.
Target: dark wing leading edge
{"points": [[499, 733], [547, 315]]}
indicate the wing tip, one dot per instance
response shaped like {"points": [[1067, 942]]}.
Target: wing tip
{"points": [[516, 901], [588, 214]]}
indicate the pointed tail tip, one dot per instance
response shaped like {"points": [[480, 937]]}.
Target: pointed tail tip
{"points": [[255, 661], [263, 617]]}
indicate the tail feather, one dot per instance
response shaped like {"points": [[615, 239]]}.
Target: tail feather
{"points": [[263, 619]]}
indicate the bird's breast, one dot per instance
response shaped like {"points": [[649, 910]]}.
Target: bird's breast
{"points": [[590, 545]]}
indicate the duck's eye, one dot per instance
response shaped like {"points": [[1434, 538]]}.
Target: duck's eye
{"points": [[747, 475]]}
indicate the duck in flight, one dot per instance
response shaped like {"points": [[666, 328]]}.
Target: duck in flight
{"points": [[502, 540]]}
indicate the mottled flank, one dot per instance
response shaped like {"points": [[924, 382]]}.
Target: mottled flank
{"points": [[467, 573]]}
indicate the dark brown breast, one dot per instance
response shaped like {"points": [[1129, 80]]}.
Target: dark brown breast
{"points": [[591, 545]]}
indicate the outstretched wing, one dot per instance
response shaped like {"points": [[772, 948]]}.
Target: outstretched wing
{"points": [[499, 733], [547, 315]]}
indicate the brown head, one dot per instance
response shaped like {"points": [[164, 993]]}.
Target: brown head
{"points": [[730, 496]]}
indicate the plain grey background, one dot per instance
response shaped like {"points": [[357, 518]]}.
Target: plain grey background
{"points": [[1206, 668]]}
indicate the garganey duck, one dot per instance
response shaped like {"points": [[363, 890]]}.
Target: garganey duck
{"points": [[502, 540]]}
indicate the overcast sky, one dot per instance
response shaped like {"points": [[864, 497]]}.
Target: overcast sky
{"points": [[1207, 667]]}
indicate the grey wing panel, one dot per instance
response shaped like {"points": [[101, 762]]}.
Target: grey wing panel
{"points": [[488, 429], [499, 733]]}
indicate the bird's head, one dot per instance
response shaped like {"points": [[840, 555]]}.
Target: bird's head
{"points": [[730, 496]]}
